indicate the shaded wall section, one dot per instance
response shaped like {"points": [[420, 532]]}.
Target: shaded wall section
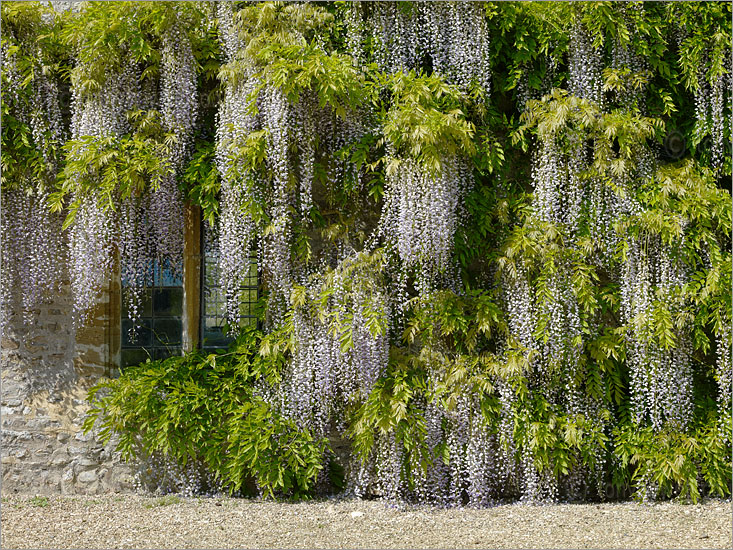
{"points": [[47, 369]]}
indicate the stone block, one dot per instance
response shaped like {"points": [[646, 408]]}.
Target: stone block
{"points": [[92, 335], [34, 348], [7, 343], [42, 424], [59, 457], [81, 436], [16, 435], [88, 476], [91, 357], [76, 449], [40, 450], [15, 423], [53, 481], [91, 371], [92, 489]]}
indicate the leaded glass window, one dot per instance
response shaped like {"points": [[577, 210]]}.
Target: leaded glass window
{"points": [[213, 299], [160, 330]]}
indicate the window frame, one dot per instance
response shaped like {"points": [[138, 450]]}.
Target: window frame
{"points": [[202, 288], [155, 346], [192, 316]]}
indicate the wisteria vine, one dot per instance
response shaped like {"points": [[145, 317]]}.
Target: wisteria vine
{"points": [[481, 261]]}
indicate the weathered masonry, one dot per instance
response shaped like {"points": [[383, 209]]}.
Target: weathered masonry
{"points": [[48, 367]]}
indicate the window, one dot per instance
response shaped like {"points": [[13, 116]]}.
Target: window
{"points": [[161, 328], [173, 319], [213, 300]]}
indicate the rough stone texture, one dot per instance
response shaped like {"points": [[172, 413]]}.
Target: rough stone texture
{"points": [[47, 369]]}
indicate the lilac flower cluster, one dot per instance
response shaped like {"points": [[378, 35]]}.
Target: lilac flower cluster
{"points": [[104, 113], [284, 186], [536, 487], [520, 307], [324, 375], [136, 247], [558, 195], [150, 226], [32, 245], [91, 253], [661, 378], [479, 466], [718, 121], [163, 475], [625, 57], [33, 253], [228, 35], [92, 237], [235, 225], [178, 106], [585, 65], [710, 107], [724, 373], [453, 34], [275, 110], [457, 40], [422, 212]]}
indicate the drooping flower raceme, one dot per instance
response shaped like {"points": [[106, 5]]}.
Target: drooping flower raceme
{"points": [[454, 35], [340, 342], [32, 246], [585, 65], [422, 213]]}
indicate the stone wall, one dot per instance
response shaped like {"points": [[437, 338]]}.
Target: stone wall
{"points": [[47, 369]]}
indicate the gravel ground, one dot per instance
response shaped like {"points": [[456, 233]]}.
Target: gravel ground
{"points": [[116, 521]]}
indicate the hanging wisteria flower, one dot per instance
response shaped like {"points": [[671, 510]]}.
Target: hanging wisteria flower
{"points": [[422, 213]]}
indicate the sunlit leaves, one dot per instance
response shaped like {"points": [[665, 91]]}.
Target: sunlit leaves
{"points": [[425, 120]]}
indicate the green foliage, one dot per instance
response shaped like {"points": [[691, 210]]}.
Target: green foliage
{"points": [[39, 502], [462, 324], [110, 168], [33, 49], [712, 27], [202, 181], [280, 23], [450, 343], [333, 77], [425, 120], [395, 406], [675, 461], [108, 35], [167, 500], [527, 35], [204, 407], [618, 134], [558, 441], [688, 212]]}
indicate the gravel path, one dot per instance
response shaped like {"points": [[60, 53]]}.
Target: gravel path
{"points": [[173, 522]]}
